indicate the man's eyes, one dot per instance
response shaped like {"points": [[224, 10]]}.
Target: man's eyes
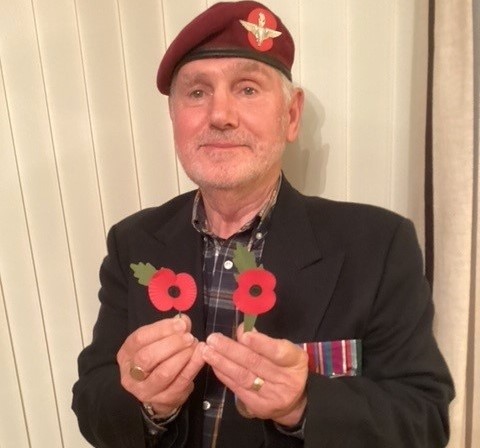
{"points": [[249, 91], [244, 90], [196, 94]]}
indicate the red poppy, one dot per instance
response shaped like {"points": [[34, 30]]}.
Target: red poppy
{"points": [[254, 294], [168, 290]]}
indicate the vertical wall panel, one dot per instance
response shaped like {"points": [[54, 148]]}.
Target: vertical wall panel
{"points": [[144, 43], [80, 208], [107, 92], [12, 427], [73, 148], [323, 60], [370, 71], [26, 319]]}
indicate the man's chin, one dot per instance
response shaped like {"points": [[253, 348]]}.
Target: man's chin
{"points": [[223, 182], [226, 185]]}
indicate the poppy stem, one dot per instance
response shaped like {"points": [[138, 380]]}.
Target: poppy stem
{"points": [[179, 315], [249, 322]]}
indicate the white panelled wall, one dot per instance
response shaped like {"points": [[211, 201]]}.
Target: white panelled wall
{"points": [[85, 140]]}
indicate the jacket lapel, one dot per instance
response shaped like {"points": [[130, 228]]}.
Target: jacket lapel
{"points": [[305, 267]]}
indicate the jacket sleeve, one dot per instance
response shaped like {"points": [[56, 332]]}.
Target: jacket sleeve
{"points": [[108, 416], [402, 397]]}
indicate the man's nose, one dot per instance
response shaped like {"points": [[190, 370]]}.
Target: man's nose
{"points": [[223, 110]]}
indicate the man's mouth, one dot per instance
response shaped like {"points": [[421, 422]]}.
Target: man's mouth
{"points": [[221, 145]]}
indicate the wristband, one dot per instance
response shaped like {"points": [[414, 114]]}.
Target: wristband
{"points": [[157, 419]]}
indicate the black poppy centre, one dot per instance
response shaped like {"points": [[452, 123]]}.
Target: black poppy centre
{"points": [[255, 291], [174, 291]]}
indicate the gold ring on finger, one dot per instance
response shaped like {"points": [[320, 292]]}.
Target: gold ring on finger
{"points": [[137, 373], [257, 384]]}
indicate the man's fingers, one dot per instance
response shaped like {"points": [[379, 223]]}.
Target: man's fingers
{"points": [[154, 332], [230, 373], [165, 373], [159, 380], [239, 354], [191, 369], [149, 356], [177, 372], [279, 351], [263, 355], [182, 386], [275, 396]]}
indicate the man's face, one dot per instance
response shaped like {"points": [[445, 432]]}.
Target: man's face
{"points": [[231, 120]]}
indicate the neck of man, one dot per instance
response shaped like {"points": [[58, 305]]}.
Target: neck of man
{"points": [[229, 210]]}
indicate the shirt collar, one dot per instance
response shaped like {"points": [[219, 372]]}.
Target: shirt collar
{"points": [[258, 224]]}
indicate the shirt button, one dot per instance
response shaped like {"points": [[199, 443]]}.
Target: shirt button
{"points": [[228, 264], [259, 235], [206, 405]]}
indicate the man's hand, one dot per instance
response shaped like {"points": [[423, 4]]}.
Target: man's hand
{"points": [[282, 365], [170, 356]]}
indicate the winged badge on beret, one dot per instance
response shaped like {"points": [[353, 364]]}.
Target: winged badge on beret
{"points": [[260, 32]]}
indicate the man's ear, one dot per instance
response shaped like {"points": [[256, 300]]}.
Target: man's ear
{"points": [[170, 107], [295, 114]]}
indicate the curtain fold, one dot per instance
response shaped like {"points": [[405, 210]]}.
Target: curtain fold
{"points": [[455, 199], [475, 371]]}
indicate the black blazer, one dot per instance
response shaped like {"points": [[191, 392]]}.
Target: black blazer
{"points": [[344, 271]]}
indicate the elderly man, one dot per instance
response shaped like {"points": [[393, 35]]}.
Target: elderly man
{"points": [[346, 356]]}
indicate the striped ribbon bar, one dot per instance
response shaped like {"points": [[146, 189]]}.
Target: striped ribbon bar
{"points": [[335, 358]]}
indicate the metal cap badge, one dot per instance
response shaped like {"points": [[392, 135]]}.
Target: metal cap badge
{"points": [[262, 27]]}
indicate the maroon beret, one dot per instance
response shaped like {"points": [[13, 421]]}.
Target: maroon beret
{"points": [[230, 29]]}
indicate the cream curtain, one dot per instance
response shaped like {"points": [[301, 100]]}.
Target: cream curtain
{"points": [[455, 198], [475, 371]]}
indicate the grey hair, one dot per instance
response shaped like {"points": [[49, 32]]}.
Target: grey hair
{"points": [[287, 87]]}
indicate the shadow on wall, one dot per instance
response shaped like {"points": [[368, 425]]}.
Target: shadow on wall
{"points": [[305, 160], [414, 174]]}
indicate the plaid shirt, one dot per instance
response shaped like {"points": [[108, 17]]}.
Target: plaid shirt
{"points": [[219, 284]]}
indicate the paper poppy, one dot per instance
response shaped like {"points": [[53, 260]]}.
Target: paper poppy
{"points": [[168, 290], [254, 294]]}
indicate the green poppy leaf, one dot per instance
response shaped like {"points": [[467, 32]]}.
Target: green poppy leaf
{"points": [[243, 259], [143, 272]]}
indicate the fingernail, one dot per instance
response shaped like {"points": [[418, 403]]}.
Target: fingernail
{"points": [[179, 325], [188, 338], [212, 339]]}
